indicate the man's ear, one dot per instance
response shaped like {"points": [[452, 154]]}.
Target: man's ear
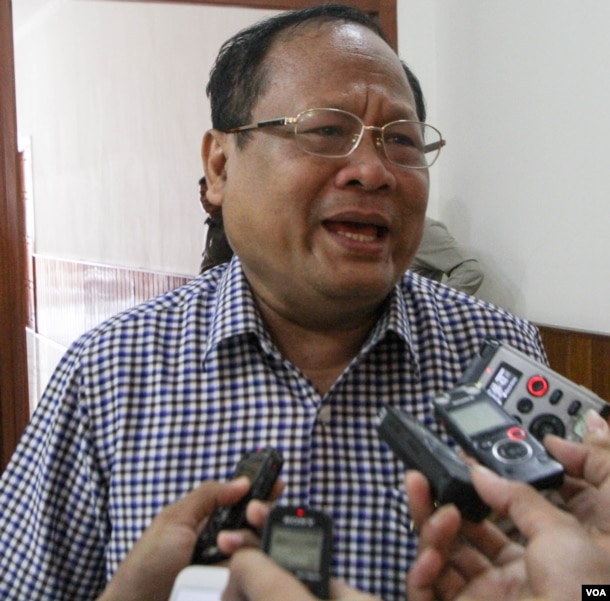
{"points": [[214, 157]]}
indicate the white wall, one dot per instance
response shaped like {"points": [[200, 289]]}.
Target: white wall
{"points": [[522, 90], [112, 95]]}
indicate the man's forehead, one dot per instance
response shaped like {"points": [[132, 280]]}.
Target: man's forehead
{"points": [[336, 37], [328, 53]]}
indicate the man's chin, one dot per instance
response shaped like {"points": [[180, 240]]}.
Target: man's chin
{"points": [[371, 287]]}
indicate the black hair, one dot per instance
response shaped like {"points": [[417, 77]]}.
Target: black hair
{"points": [[239, 75], [420, 102]]}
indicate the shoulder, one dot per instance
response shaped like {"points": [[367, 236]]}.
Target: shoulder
{"points": [[157, 322], [463, 321]]}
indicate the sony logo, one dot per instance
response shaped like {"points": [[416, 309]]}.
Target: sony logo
{"points": [[292, 520]]}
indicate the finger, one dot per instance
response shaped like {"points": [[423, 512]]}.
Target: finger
{"points": [[255, 577], [340, 590], [572, 455], [424, 575], [257, 513], [441, 530], [200, 502], [589, 460], [421, 505], [278, 489], [528, 509], [230, 541], [440, 540], [492, 541]]}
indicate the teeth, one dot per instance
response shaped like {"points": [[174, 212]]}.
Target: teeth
{"points": [[358, 237]]}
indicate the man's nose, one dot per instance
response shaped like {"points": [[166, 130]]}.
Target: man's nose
{"points": [[367, 165]]}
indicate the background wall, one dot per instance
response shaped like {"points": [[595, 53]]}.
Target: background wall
{"points": [[521, 93], [112, 97]]}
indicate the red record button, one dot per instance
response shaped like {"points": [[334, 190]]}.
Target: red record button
{"points": [[516, 433], [537, 386]]}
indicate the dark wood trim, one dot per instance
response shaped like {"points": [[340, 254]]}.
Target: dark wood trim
{"points": [[583, 357], [13, 353]]}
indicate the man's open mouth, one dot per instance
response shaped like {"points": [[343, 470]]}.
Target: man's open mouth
{"points": [[360, 232]]}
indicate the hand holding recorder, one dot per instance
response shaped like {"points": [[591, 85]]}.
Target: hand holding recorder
{"points": [[565, 549], [256, 577], [148, 571], [262, 467], [485, 431]]}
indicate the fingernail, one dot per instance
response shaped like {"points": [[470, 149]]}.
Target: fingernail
{"points": [[233, 538], [594, 422]]}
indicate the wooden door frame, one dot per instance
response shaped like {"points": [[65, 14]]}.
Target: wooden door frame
{"points": [[14, 399], [13, 293]]}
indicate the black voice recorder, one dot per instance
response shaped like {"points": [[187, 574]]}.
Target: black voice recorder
{"points": [[301, 541], [262, 467], [420, 449], [495, 438]]}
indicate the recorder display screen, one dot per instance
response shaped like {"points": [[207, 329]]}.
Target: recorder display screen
{"points": [[478, 417], [297, 549], [503, 382]]}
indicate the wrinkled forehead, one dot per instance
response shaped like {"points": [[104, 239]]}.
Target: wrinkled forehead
{"points": [[334, 61]]}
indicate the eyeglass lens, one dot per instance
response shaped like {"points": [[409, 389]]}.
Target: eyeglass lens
{"points": [[334, 133]]}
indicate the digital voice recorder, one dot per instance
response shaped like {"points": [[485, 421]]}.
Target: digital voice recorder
{"points": [[420, 449], [544, 401], [301, 541], [262, 467], [495, 438]]}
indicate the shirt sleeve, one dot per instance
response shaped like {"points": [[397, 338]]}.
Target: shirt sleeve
{"points": [[51, 502], [440, 254]]}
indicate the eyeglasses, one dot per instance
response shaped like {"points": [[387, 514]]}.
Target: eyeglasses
{"points": [[334, 133]]}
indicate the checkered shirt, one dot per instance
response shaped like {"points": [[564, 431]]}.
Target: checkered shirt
{"points": [[156, 399]]}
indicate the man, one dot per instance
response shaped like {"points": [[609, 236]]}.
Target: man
{"points": [[442, 258], [321, 170]]}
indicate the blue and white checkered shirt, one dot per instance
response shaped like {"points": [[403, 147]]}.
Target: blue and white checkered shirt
{"points": [[173, 392]]}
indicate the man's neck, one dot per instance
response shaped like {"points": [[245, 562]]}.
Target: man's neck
{"points": [[323, 352]]}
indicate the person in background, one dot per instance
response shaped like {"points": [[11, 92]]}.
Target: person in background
{"points": [[442, 258], [321, 167], [216, 249], [439, 256]]}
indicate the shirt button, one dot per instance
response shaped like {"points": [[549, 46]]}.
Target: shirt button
{"points": [[325, 414]]}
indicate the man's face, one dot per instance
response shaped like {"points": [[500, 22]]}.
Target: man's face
{"points": [[315, 233]]}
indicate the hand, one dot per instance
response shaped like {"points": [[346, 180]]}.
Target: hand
{"points": [[148, 571], [586, 491], [256, 577], [256, 514], [564, 550]]}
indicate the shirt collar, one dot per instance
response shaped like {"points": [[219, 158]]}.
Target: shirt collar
{"points": [[394, 319], [236, 315]]}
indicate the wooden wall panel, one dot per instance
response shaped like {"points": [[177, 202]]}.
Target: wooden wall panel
{"points": [[72, 296], [583, 357]]}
